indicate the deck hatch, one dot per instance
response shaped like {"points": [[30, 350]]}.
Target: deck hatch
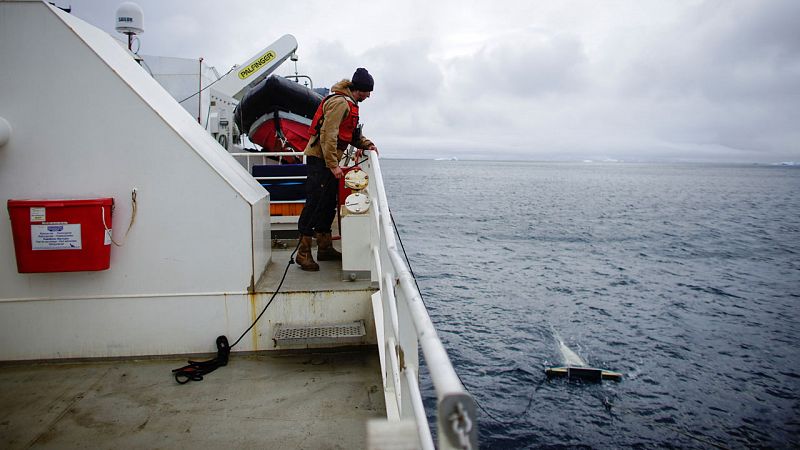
{"points": [[345, 333]]}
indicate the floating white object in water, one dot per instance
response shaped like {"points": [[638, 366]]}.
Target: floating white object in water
{"points": [[576, 367], [569, 357]]}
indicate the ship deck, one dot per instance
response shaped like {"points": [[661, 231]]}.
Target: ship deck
{"points": [[329, 277], [310, 400]]}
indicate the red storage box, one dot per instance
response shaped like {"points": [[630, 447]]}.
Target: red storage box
{"points": [[61, 235]]}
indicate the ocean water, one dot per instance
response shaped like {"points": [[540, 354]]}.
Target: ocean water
{"points": [[685, 278]]}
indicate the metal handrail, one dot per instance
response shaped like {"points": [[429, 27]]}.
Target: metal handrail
{"points": [[426, 440], [264, 155], [297, 79], [455, 405]]}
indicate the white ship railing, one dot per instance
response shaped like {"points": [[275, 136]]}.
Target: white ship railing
{"points": [[248, 157], [408, 327], [248, 160]]}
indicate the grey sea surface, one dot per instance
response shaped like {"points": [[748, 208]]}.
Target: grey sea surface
{"points": [[685, 278]]}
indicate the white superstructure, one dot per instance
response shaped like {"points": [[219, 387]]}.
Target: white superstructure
{"points": [[89, 122]]}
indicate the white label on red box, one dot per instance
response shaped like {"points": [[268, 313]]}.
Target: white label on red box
{"points": [[37, 215], [56, 237]]}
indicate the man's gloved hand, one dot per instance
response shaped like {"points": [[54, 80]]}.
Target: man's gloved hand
{"points": [[360, 152]]}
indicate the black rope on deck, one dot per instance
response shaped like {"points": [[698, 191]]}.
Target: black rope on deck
{"points": [[195, 370]]}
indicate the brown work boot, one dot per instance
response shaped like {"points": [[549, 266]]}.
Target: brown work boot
{"points": [[325, 250], [304, 258]]}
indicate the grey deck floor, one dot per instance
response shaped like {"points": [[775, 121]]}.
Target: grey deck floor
{"points": [[329, 277], [300, 401]]}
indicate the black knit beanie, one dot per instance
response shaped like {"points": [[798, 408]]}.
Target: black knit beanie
{"points": [[362, 80]]}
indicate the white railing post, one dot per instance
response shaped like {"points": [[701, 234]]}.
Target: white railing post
{"points": [[415, 397]]}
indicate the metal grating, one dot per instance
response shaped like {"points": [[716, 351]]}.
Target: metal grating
{"points": [[347, 333]]}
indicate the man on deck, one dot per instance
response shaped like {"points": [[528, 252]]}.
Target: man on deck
{"points": [[335, 126]]}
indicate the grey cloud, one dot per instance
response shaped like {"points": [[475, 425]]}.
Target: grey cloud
{"points": [[728, 74], [707, 80], [529, 64], [727, 51], [404, 71]]}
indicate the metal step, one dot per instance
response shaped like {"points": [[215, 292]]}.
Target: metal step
{"points": [[333, 334]]}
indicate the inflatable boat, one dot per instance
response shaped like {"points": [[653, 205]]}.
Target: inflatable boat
{"points": [[276, 114]]}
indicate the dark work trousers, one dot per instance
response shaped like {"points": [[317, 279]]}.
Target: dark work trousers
{"points": [[320, 207]]}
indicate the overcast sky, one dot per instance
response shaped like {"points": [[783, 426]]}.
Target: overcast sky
{"points": [[677, 80]]}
